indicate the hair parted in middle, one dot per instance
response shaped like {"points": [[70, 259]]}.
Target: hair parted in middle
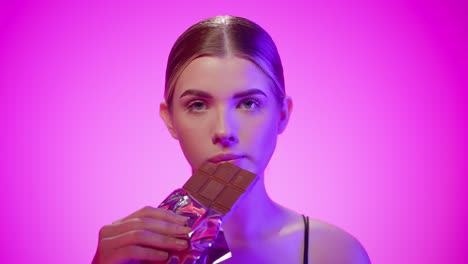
{"points": [[225, 36]]}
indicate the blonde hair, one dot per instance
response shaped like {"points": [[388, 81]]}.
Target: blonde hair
{"points": [[223, 36]]}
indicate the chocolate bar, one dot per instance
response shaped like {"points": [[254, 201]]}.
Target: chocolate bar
{"points": [[218, 186], [205, 199]]}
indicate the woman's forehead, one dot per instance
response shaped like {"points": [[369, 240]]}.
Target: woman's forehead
{"points": [[221, 76]]}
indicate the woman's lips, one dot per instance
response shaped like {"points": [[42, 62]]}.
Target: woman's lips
{"points": [[225, 157]]}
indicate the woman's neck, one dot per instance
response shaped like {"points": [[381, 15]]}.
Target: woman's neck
{"points": [[254, 217]]}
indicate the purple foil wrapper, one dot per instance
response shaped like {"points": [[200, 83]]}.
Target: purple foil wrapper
{"points": [[206, 241]]}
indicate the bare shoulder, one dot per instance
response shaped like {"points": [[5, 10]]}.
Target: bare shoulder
{"points": [[329, 244]]}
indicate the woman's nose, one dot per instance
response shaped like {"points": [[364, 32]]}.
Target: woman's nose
{"points": [[225, 129]]}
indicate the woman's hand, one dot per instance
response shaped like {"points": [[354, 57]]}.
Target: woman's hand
{"points": [[146, 235]]}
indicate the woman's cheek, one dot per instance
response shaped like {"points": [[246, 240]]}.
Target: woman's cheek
{"points": [[190, 142], [262, 140], [192, 153], [268, 140]]}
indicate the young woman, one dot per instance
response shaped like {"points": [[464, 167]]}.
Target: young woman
{"points": [[225, 101]]}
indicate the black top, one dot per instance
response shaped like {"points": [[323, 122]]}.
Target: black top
{"points": [[306, 239]]}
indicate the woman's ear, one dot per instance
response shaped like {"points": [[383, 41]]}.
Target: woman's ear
{"points": [[166, 117], [285, 113]]}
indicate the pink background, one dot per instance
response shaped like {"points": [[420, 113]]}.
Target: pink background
{"points": [[376, 144]]}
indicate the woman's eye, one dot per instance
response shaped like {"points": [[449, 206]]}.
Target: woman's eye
{"points": [[196, 106], [250, 104]]}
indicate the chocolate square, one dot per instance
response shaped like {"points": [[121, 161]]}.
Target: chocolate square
{"points": [[195, 182], [226, 172], [212, 189], [219, 185], [243, 179]]}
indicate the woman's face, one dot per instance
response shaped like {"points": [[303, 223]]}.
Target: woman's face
{"points": [[223, 110]]}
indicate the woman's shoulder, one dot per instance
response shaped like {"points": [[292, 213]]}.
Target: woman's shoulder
{"points": [[331, 244]]}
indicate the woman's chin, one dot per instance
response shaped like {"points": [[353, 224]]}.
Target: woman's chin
{"points": [[246, 164], [243, 163]]}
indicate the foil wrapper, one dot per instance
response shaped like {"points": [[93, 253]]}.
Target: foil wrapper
{"points": [[206, 241]]}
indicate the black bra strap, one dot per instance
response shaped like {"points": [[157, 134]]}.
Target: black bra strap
{"points": [[306, 239]]}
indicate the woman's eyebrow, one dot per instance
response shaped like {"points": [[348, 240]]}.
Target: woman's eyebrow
{"points": [[204, 94], [196, 93], [249, 93]]}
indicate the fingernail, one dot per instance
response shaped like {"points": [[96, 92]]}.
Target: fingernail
{"points": [[185, 220], [162, 254], [181, 242], [182, 218], [185, 229]]}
